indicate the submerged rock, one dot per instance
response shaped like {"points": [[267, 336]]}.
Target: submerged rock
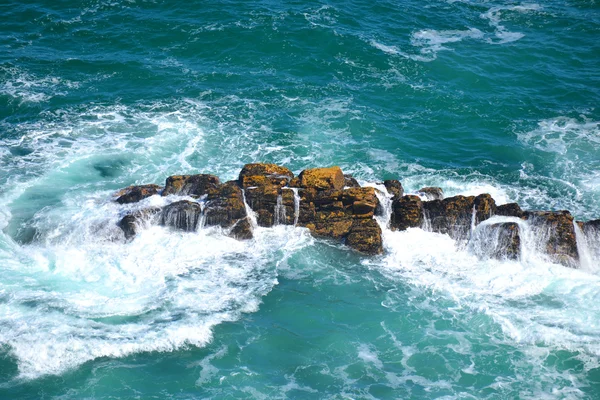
{"points": [[129, 226], [432, 193], [322, 178], [190, 185], [260, 174], [556, 233], [407, 212], [133, 194]]}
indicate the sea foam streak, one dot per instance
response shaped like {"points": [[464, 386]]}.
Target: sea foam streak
{"points": [[28, 88], [494, 14]]}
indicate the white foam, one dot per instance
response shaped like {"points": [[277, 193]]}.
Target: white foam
{"points": [[511, 293], [89, 294], [569, 164], [369, 355], [561, 134], [494, 17], [384, 48], [431, 41], [29, 88]]}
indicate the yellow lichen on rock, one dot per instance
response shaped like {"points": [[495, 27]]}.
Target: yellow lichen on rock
{"points": [[322, 178]]}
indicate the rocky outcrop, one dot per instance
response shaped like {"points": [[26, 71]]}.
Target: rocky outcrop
{"points": [[330, 178], [407, 212], [333, 205], [133, 194], [394, 187], [333, 213], [556, 233], [190, 185], [510, 210], [225, 205], [365, 236], [456, 215], [432, 193], [260, 174], [183, 215], [350, 182], [272, 204]]}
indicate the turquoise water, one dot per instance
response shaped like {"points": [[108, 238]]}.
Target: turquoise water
{"points": [[472, 96]]}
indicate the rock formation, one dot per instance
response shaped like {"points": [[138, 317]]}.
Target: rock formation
{"points": [[557, 234], [350, 182], [407, 212], [264, 174], [184, 215], [333, 205], [394, 187], [190, 185], [133, 194]]}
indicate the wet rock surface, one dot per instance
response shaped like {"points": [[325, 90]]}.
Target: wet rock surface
{"points": [[183, 215], [457, 215], [365, 236], [333, 205], [131, 223], [225, 205], [331, 178], [260, 174], [133, 194], [242, 230], [557, 233], [510, 210], [190, 185], [407, 212], [394, 187], [591, 226], [272, 204]]}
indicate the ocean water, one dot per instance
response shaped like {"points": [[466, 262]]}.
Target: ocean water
{"points": [[496, 97]]}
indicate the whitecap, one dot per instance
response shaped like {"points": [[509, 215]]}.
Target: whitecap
{"points": [[494, 17]]}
